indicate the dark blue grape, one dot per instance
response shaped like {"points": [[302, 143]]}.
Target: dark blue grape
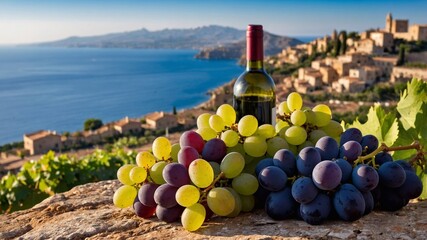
{"points": [[364, 177], [304, 190], [369, 202], [165, 196], [214, 150], [391, 200], [405, 165], [280, 205], [260, 196], [369, 143], [412, 187], [272, 178], [327, 175], [349, 203], [351, 150], [351, 134], [286, 160], [169, 215], [383, 157], [146, 194], [263, 164], [176, 174], [307, 159], [391, 175], [346, 169], [376, 194], [327, 147], [316, 211]]}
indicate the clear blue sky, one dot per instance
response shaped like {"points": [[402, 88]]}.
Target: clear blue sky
{"points": [[24, 21]]}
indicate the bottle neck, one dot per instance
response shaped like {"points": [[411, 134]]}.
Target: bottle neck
{"points": [[254, 47], [255, 65]]}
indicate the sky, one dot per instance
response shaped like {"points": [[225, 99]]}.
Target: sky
{"points": [[30, 21]]}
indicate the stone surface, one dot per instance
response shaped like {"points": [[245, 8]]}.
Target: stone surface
{"points": [[87, 211]]}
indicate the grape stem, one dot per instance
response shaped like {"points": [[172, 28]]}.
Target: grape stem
{"points": [[214, 182]]}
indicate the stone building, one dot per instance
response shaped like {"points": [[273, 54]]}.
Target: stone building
{"points": [[161, 120], [404, 74], [400, 29], [383, 39], [386, 64], [348, 84], [42, 141], [128, 126]]}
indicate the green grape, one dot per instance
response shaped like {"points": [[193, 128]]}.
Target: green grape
{"points": [[162, 148], [275, 144], [298, 118], [138, 174], [227, 113], [124, 196], [283, 108], [333, 129], [216, 123], [201, 173], [230, 138], [174, 152], [156, 172], [207, 133], [238, 148], [266, 131], [232, 164], [282, 132], [310, 116], [248, 203], [216, 168], [255, 146], [294, 101], [315, 135], [145, 159], [238, 206], [280, 125], [247, 125], [221, 201], [323, 115], [187, 195], [295, 135], [293, 149], [203, 120], [123, 174], [305, 144], [245, 184], [193, 217], [250, 165]]}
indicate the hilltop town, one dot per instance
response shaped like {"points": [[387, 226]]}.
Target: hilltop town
{"points": [[340, 63]]}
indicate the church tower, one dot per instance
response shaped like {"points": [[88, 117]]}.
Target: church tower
{"points": [[388, 23]]}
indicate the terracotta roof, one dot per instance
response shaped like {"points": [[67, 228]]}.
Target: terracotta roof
{"points": [[40, 134], [155, 115], [314, 74], [125, 121]]}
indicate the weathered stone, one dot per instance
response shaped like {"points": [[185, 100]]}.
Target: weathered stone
{"points": [[87, 211]]}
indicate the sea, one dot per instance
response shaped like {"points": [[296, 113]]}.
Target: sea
{"points": [[59, 88]]}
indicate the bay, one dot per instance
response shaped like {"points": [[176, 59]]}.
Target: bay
{"points": [[59, 88]]}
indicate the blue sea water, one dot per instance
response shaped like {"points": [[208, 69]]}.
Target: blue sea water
{"points": [[59, 88]]}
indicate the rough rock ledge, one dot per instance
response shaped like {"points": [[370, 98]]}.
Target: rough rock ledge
{"points": [[87, 211]]}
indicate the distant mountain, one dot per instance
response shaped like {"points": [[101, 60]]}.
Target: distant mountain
{"points": [[213, 41]]}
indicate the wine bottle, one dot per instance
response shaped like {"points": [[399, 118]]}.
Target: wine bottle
{"points": [[253, 92]]}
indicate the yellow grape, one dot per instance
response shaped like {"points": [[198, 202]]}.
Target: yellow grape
{"points": [[283, 108], [247, 125], [255, 146], [298, 118], [124, 196], [187, 195], [230, 138], [138, 174], [123, 174], [275, 144], [174, 152], [207, 133], [162, 148], [333, 129], [203, 120], [280, 125], [266, 131], [193, 217], [221, 201], [323, 115], [232, 164], [295, 135], [294, 101], [156, 172], [310, 116], [145, 159], [216, 123], [201, 173], [227, 113]]}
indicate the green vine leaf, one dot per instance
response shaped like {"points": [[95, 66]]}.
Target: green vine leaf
{"points": [[411, 102]]}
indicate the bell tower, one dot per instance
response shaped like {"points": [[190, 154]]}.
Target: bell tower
{"points": [[388, 23]]}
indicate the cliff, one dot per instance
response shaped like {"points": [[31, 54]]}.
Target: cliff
{"points": [[87, 211]]}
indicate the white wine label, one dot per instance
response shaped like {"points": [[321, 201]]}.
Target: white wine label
{"points": [[273, 116]]}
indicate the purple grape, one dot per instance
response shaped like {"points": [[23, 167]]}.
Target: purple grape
{"points": [[307, 159], [176, 174], [364, 177], [286, 160], [143, 211], [351, 134], [260, 196], [304, 190], [383, 157], [369, 143], [391, 200], [272, 178], [351, 150], [405, 165], [146, 194], [280, 205], [169, 215], [316, 211], [192, 139], [391, 175], [327, 175], [349, 203], [214, 150], [165, 196], [346, 169], [327, 147], [412, 187], [186, 155], [369, 202], [263, 164]]}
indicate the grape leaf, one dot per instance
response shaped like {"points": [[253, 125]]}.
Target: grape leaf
{"points": [[380, 124], [411, 101], [423, 177]]}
